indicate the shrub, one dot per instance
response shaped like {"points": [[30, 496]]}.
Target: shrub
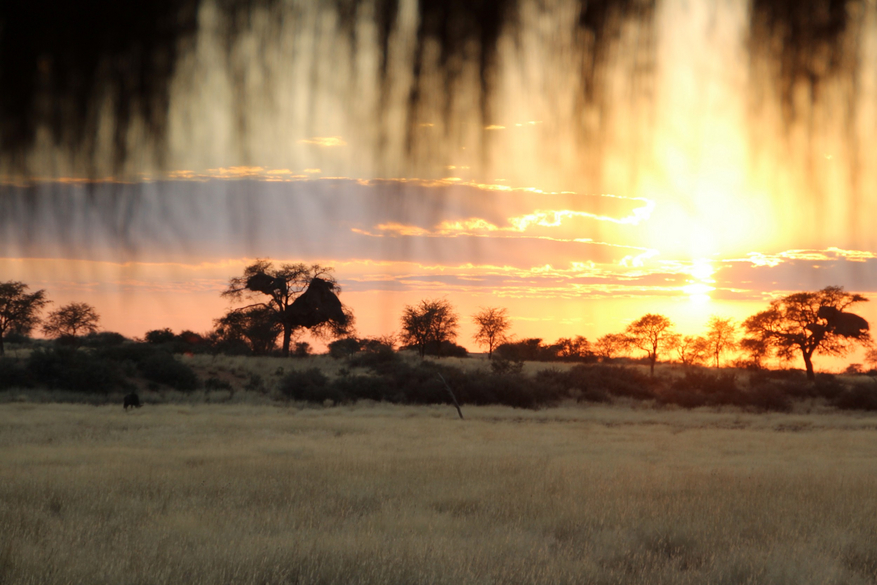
{"points": [[255, 384], [230, 347], [160, 336], [302, 349], [162, 368], [17, 338], [702, 387], [129, 352], [596, 380], [524, 350], [13, 374], [103, 339], [380, 362], [444, 348], [857, 397], [552, 385], [310, 385], [769, 397], [501, 365], [66, 368], [214, 383], [513, 390], [362, 388], [344, 348]]}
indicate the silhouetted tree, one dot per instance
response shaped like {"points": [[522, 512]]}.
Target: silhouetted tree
{"points": [[610, 345], [302, 349], [652, 334], [159, 336], [531, 349], [493, 324], [755, 351], [429, 323], [572, 348], [721, 336], [71, 320], [299, 296], [810, 322], [19, 309], [691, 349], [255, 326], [871, 357]]}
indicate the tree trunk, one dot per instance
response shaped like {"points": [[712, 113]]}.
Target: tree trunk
{"points": [[287, 337], [808, 363], [652, 359]]}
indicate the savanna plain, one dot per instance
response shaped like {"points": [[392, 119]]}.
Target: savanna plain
{"points": [[378, 493]]}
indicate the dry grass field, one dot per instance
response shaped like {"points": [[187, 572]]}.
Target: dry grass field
{"points": [[238, 493]]}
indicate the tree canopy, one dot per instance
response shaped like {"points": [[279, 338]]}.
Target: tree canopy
{"points": [[19, 309], [493, 324], [652, 334], [721, 337], [691, 349], [809, 323], [255, 327], [429, 324], [71, 320], [299, 296], [610, 345]]}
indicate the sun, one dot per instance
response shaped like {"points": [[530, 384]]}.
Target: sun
{"points": [[700, 286]]}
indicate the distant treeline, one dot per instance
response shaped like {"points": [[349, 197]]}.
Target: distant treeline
{"points": [[371, 369]]}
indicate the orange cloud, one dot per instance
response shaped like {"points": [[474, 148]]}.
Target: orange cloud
{"points": [[236, 172], [324, 141], [832, 253]]}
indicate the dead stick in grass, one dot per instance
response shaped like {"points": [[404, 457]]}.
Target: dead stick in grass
{"points": [[451, 392]]}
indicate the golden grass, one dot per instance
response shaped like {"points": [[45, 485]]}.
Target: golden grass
{"points": [[390, 494]]}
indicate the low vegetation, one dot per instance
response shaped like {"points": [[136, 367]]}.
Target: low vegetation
{"points": [[103, 368], [383, 494]]}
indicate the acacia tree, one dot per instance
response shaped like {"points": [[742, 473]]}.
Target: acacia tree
{"points": [[721, 336], [652, 334], [493, 324], [610, 345], [71, 320], [577, 347], [276, 289], [691, 349], [428, 324], [755, 351], [809, 323], [19, 309], [254, 326]]}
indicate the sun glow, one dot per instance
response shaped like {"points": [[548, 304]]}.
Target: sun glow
{"points": [[698, 292], [702, 270]]}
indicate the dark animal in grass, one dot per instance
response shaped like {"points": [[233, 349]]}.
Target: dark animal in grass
{"points": [[132, 400]]}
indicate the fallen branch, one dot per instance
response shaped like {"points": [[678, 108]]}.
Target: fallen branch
{"points": [[451, 392]]}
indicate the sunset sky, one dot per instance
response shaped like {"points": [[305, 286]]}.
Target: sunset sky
{"points": [[696, 176]]}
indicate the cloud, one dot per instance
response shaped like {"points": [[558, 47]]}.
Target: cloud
{"points": [[324, 141], [829, 254], [402, 235]]}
